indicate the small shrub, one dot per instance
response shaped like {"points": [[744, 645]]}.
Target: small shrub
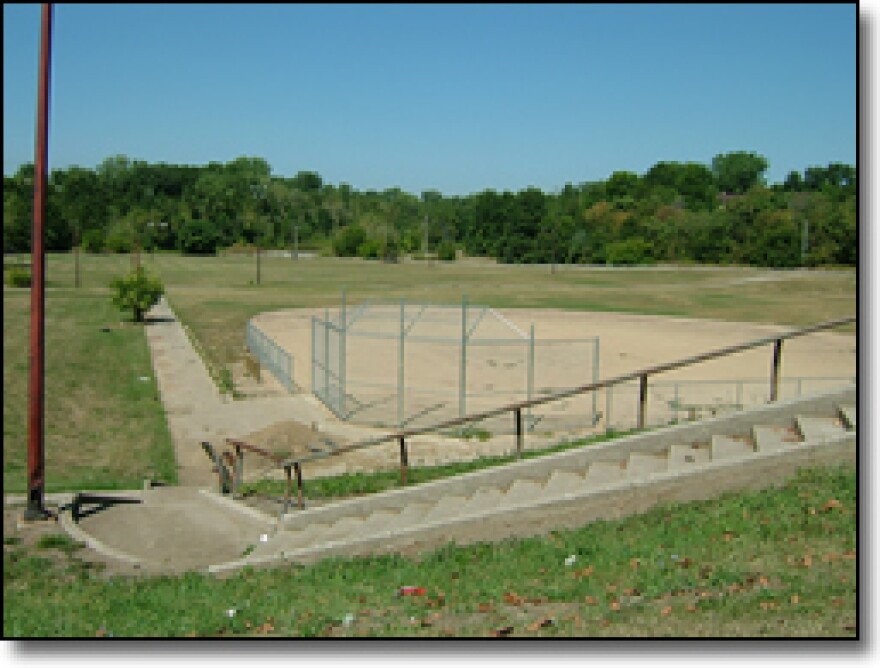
{"points": [[18, 277], [446, 251], [137, 292]]}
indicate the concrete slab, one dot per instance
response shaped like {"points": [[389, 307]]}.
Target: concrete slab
{"points": [[564, 482], [604, 473], [446, 508], [643, 464], [487, 498], [683, 457], [772, 438], [523, 491], [819, 429], [849, 416], [727, 447]]}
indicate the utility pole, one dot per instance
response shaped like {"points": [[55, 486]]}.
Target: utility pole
{"points": [[36, 468]]}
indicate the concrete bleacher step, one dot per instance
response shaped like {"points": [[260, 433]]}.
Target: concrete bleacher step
{"points": [[447, 511], [564, 482], [772, 438], [728, 447], [819, 429], [446, 507], [486, 498], [683, 457], [848, 412], [604, 473], [524, 490], [643, 464]]}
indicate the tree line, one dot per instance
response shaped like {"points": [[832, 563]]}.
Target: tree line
{"points": [[723, 213]]}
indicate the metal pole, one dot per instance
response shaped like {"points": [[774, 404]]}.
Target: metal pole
{"points": [[462, 373], [595, 377], [519, 432], [326, 396], [530, 380], [299, 486], [404, 462], [643, 401], [774, 370], [36, 390], [400, 367], [342, 336]]}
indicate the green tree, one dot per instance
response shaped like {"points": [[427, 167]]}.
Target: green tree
{"points": [[137, 292], [198, 237], [738, 171]]}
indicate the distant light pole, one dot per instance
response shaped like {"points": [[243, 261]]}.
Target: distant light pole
{"points": [[36, 465]]}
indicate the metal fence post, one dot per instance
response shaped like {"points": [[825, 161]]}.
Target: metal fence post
{"points": [[400, 363], [519, 432], [530, 387], [609, 391], [462, 374], [342, 333], [595, 377], [326, 397]]}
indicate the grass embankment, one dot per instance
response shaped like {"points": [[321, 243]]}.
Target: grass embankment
{"points": [[104, 424], [777, 563]]}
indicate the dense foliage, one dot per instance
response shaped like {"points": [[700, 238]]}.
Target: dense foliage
{"points": [[137, 292], [676, 212]]}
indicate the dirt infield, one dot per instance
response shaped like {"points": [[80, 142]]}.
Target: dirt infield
{"points": [[627, 343]]}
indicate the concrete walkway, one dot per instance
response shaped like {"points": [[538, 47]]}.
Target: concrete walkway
{"points": [[195, 408]]}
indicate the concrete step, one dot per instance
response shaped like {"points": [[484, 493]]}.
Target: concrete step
{"points": [[522, 491], [412, 514], [727, 447], [644, 464], [849, 415], [683, 457], [604, 473], [446, 508], [564, 482], [773, 438], [819, 429], [487, 498]]}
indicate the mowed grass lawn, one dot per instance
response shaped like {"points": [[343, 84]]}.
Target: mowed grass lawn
{"points": [[105, 425], [777, 564]]}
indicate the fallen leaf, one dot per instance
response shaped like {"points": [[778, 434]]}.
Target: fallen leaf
{"points": [[666, 611], [540, 624], [727, 536], [485, 607], [100, 633], [500, 633], [849, 554], [767, 605], [831, 503], [691, 607], [837, 602], [614, 605], [513, 598], [634, 563], [807, 561], [763, 581], [831, 556], [795, 599], [589, 600]]}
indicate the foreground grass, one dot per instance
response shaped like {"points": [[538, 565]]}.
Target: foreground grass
{"points": [[777, 563], [104, 426]]}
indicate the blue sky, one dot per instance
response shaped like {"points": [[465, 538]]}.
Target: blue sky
{"points": [[459, 98]]}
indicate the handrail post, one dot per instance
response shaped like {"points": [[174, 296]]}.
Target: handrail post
{"points": [[404, 462], [238, 470], [774, 370], [643, 401], [287, 488], [519, 432], [299, 486]]}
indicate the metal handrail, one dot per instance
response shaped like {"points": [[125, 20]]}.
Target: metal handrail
{"points": [[517, 408]]}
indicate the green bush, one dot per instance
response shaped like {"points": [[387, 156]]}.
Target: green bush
{"points": [[446, 251], [137, 292], [18, 277], [370, 249], [198, 237], [348, 240], [631, 251]]}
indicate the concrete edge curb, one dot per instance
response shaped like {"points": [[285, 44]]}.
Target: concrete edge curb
{"points": [[239, 507]]}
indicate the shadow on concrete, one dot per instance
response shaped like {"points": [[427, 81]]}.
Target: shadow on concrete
{"points": [[97, 504]]}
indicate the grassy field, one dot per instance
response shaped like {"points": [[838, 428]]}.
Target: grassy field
{"points": [[105, 425], [779, 564], [214, 297]]}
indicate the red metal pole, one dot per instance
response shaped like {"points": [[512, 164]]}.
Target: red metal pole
{"points": [[36, 456]]}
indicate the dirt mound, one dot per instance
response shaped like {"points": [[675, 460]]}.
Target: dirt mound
{"points": [[293, 439]]}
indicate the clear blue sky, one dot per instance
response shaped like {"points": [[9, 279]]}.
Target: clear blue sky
{"points": [[459, 98]]}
